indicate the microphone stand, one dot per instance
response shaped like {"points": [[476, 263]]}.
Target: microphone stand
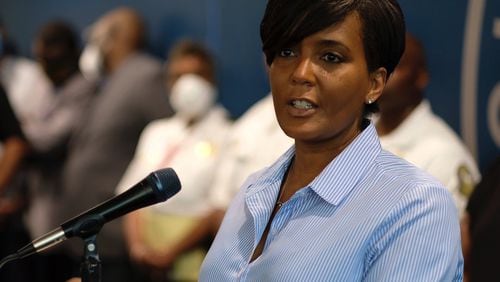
{"points": [[90, 268], [87, 229]]}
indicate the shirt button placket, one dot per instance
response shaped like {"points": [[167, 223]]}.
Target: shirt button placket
{"points": [[282, 217]]}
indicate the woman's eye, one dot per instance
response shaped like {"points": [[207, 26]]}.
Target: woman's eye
{"points": [[286, 53], [331, 58]]}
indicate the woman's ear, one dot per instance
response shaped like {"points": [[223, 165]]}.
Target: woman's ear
{"points": [[422, 79], [378, 80]]}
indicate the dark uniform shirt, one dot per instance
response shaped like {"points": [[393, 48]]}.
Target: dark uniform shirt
{"points": [[9, 125], [484, 211]]}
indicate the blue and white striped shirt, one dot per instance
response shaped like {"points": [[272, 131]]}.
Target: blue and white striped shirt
{"points": [[368, 216]]}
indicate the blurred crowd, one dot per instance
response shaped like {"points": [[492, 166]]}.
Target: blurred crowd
{"points": [[84, 121]]}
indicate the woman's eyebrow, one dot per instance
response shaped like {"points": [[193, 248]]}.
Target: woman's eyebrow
{"points": [[332, 43]]}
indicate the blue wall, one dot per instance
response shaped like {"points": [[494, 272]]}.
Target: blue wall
{"points": [[231, 29]]}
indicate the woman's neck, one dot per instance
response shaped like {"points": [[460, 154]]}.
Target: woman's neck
{"points": [[312, 158]]}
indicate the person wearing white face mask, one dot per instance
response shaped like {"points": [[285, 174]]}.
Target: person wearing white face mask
{"points": [[91, 62], [192, 97], [191, 142]]}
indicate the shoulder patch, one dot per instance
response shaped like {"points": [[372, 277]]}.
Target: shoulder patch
{"points": [[465, 179]]}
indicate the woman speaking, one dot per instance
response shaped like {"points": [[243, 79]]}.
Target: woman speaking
{"points": [[335, 206]]}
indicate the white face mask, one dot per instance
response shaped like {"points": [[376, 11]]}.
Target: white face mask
{"points": [[192, 96], [91, 62]]}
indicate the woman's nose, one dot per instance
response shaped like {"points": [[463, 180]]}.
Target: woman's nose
{"points": [[303, 73]]}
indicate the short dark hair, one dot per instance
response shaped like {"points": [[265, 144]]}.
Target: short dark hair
{"points": [[61, 34], [287, 22], [186, 47], [59, 44]]}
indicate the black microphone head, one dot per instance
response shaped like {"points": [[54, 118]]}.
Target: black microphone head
{"points": [[157, 187], [166, 182]]}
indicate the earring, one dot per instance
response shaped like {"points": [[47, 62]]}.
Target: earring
{"points": [[370, 101]]}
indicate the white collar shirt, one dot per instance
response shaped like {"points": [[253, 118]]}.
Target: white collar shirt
{"points": [[428, 142], [193, 152]]}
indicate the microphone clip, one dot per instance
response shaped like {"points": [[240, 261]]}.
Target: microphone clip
{"points": [[84, 227], [90, 267]]}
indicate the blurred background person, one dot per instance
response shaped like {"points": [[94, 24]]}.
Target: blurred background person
{"points": [[189, 57], [463, 65], [481, 228], [255, 141], [130, 95], [25, 91], [408, 128], [13, 233], [27, 87], [191, 142], [57, 50]]}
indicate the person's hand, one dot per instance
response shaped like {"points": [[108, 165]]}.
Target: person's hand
{"points": [[75, 279], [160, 260], [8, 206], [139, 253]]}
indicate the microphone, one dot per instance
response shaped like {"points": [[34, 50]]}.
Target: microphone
{"points": [[157, 187]]}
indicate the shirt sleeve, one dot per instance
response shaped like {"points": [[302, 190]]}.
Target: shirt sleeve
{"points": [[419, 241], [454, 168], [54, 131], [223, 188], [137, 169], [132, 175]]}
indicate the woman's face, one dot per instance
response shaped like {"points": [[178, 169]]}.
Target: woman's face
{"points": [[320, 85]]}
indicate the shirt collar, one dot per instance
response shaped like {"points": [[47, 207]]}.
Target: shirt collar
{"points": [[340, 175]]}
